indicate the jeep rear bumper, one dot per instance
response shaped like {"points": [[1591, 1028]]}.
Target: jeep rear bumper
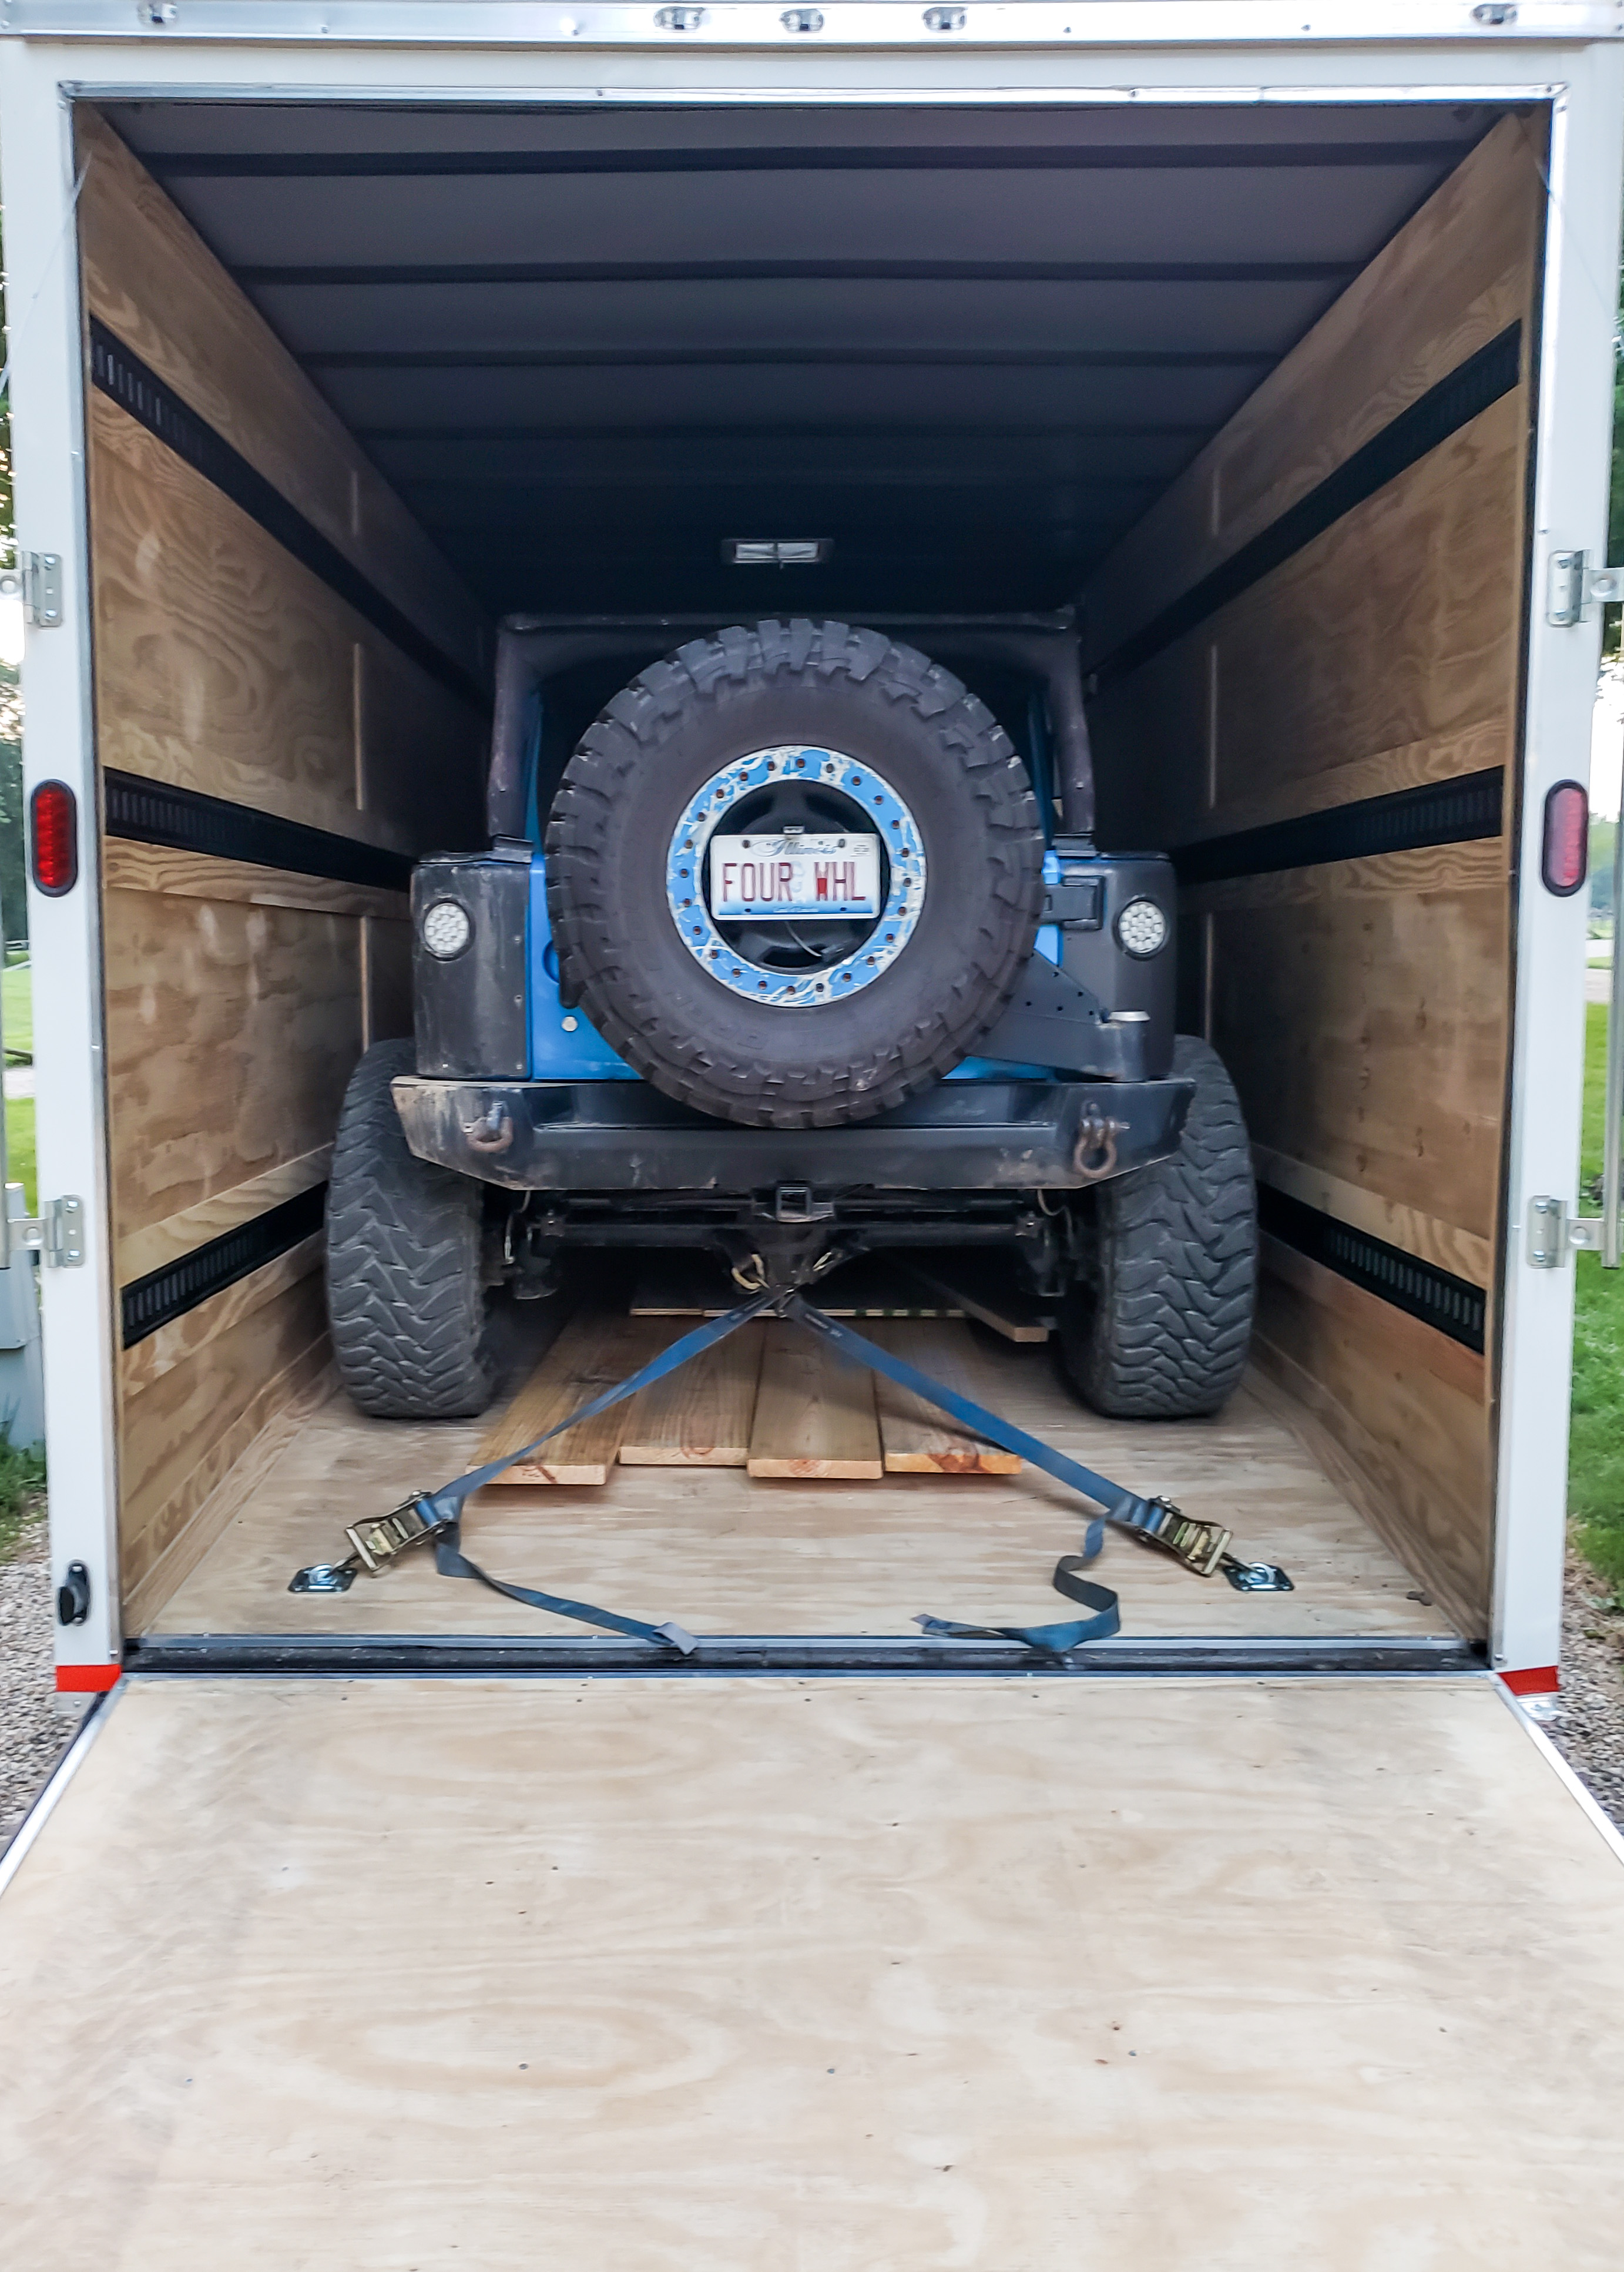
{"points": [[617, 1137]]}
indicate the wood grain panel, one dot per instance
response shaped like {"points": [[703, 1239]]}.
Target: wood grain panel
{"points": [[131, 867], [151, 280], [185, 1338], [1421, 1443], [180, 1437], [1366, 1032], [246, 1455], [841, 1976], [231, 1033], [1452, 279], [815, 1412], [1445, 1243], [226, 667], [386, 979], [158, 1244]]}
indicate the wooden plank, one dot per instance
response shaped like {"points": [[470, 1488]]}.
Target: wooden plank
{"points": [[239, 1464], [178, 1438], [1420, 1345], [699, 1416], [1459, 271], [231, 1032], [153, 281], [1445, 1243], [185, 1338], [815, 1412], [142, 1252], [919, 1439], [128, 867], [1420, 1444], [1365, 1027], [1344, 673], [591, 1354], [971, 1289], [199, 616]]}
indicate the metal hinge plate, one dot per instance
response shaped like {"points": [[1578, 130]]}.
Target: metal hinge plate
{"points": [[1554, 1234], [1574, 589], [37, 581], [56, 1234]]}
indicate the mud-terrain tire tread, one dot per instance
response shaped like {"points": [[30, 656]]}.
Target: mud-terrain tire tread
{"points": [[405, 1299], [625, 1004], [1163, 1333]]}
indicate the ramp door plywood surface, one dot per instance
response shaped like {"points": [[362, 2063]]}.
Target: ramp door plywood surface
{"points": [[832, 1975], [723, 1552]]}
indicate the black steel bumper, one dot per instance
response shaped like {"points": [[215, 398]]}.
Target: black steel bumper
{"points": [[622, 1136]]}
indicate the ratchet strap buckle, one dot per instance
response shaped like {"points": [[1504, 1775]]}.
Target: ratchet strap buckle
{"points": [[1200, 1546], [373, 1547]]}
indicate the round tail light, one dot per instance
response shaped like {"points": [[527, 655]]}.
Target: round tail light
{"points": [[1565, 856], [54, 833]]}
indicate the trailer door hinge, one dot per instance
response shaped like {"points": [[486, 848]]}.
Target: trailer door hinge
{"points": [[37, 581], [56, 1233], [1573, 587], [1554, 1234]]}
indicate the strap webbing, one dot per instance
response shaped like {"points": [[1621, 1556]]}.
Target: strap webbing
{"points": [[1148, 1517], [442, 1511], [444, 1506]]}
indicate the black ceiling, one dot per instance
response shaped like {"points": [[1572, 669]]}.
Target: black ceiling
{"points": [[969, 345]]}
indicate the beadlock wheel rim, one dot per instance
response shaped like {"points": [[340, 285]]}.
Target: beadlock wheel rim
{"points": [[890, 819]]}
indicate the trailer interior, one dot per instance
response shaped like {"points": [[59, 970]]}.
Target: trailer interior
{"points": [[1250, 386]]}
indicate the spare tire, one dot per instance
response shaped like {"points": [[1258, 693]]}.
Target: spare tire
{"points": [[794, 874]]}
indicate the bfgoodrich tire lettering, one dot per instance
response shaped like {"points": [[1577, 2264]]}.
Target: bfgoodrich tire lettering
{"points": [[405, 1299], [1159, 1330], [823, 685]]}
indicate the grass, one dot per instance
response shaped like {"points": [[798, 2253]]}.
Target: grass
{"points": [[22, 1478], [19, 1161], [16, 1010], [1596, 1457]]}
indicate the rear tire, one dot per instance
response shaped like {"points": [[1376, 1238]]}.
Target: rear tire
{"points": [[1159, 1329], [406, 1296]]}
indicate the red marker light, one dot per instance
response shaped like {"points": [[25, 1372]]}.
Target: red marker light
{"points": [[1565, 859], [53, 816]]}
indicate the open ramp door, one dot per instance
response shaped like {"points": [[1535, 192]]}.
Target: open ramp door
{"points": [[821, 1977]]}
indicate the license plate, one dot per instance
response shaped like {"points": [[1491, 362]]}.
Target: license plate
{"points": [[802, 877]]}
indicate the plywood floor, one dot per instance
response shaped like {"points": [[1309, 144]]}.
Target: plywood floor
{"points": [[723, 1552], [839, 1977]]}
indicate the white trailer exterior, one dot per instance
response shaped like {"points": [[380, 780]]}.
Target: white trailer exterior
{"points": [[178, 1749]]}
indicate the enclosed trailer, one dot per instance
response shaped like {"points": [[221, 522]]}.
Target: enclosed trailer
{"points": [[1282, 351]]}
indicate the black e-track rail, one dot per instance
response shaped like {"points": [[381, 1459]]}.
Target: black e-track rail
{"points": [[350, 1656]]}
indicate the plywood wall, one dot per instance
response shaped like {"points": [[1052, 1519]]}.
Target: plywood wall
{"points": [[1362, 1003], [239, 995]]}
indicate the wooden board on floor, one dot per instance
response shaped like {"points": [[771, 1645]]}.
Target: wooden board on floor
{"points": [[915, 1437], [591, 1354], [699, 1416], [877, 1287], [977, 1288], [815, 1412]]}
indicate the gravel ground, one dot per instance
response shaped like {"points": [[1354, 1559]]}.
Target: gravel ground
{"points": [[35, 1724], [1587, 1721]]}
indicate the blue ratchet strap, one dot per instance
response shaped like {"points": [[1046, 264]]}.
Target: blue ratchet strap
{"points": [[436, 1516], [1202, 1546], [1056, 1640]]}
